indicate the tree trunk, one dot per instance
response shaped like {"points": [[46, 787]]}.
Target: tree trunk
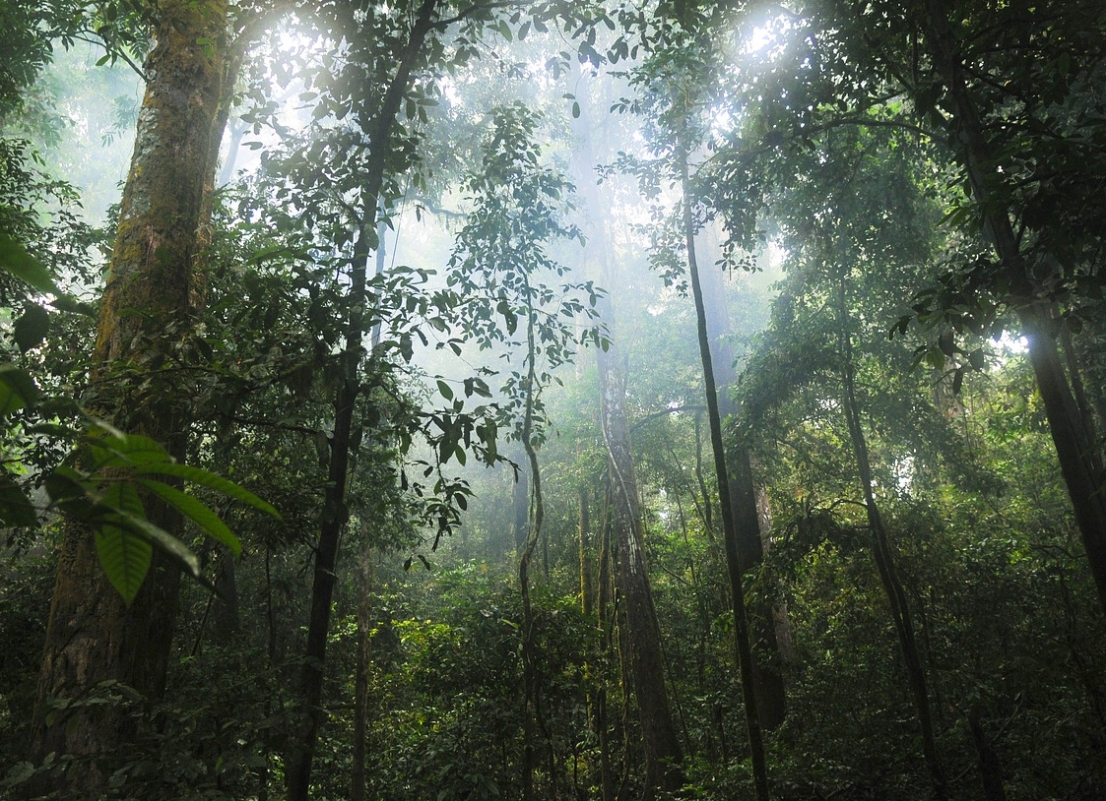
{"points": [[361, 677], [153, 289], [770, 692], [884, 557], [663, 754], [742, 644], [1080, 461], [301, 751]]}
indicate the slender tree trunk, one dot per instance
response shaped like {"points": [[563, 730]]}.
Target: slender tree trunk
{"points": [[526, 555], [742, 644], [770, 691], [361, 677], [884, 557], [92, 636], [520, 503], [606, 631], [1080, 460], [301, 751], [645, 667], [990, 770]]}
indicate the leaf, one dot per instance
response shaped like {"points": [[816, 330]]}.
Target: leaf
{"points": [[112, 448], [445, 389], [575, 109], [17, 389], [211, 481], [196, 511], [169, 544], [16, 261], [67, 303], [125, 558], [31, 328], [16, 508]]}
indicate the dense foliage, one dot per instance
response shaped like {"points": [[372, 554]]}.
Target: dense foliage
{"points": [[436, 321]]}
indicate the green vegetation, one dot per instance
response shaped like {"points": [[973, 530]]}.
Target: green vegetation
{"points": [[357, 444]]}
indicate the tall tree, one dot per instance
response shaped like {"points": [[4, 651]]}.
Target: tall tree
{"points": [[377, 112], [770, 690], [154, 289], [663, 752]]}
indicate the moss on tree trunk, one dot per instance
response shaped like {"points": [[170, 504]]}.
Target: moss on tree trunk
{"points": [[153, 291]]}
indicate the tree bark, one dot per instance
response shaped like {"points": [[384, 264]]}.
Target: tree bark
{"points": [[152, 295]]}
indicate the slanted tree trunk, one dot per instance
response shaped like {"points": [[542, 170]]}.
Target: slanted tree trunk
{"points": [[1078, 454], [884, 557], [770, 691], [742, 642], [152, 295]]}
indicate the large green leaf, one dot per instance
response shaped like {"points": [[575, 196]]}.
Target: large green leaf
{"points": [[125, 558], [17, 389], [199, 513], [16, 508], [31, 328], [124, 555], [172, 547], [209, 480], [111, 448], [16, 261]]}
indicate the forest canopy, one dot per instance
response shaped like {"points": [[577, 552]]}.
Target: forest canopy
{"points": [[547, 400]]}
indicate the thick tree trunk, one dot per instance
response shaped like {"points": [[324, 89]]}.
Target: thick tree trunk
{"points": [[152, 289], [663, 754], [1080, 460], [301, 750]]}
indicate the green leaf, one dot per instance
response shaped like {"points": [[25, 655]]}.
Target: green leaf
{"points": [[209, 480], [112, 448], [16, 508], [125, 558], [16, 261], [17, 389], [198, 512], [445, 389], [31, 328], [169, 544]]}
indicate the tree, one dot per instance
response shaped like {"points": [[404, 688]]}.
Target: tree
{"points": [[154, 291], [647, 670]]}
